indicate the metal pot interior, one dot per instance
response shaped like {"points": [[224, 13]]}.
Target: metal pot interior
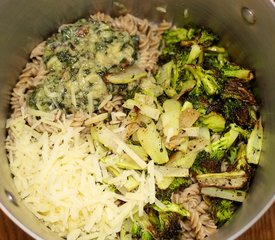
{"points": [[23, 24]]}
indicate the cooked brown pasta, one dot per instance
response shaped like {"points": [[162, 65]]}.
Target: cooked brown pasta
{"points": [[200, 224], [113, 105]]}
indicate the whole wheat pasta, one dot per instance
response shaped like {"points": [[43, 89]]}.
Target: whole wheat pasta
{"points": [[32, 75], [117, 117], [163, 26], [113, 105], [99, 16], [200, 224], [78, 119], [143, 25], [38, 51]]}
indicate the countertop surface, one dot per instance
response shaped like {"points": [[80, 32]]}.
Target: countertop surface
{"points": [[264, 229]]}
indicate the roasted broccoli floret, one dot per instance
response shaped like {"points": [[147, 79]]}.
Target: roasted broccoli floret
{"points": [[185, 60], [178, 183], [236, 90], [166, 223], [237, 158], [172, 207], [204, 164], [195, 53], [241, 159], [166, 77], [175, 35], [222, 145], [232, 70], [145, 235], [214, 60], [166, 219], [168, 52], [143, 228], [222, 210], [169, 227], [244, 133], [136, 230], [174, 79], [207, 38], [232, 155], [139, 233], [200, 103], [207, 80], [236, 111], [213, 121], [153, 216]]}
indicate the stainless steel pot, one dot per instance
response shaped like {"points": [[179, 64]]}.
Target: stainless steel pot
{"points": [[247, 28]]}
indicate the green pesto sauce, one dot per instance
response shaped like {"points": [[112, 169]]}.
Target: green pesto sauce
{"points": [[76, 58]]}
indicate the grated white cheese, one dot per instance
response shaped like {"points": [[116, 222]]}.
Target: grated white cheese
{"points": [[74, 234], [119, 129], [62, 182], [112, 141], [95, 119], [160, 204], [105, 101]]}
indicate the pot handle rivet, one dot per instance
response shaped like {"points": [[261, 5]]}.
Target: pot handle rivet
{"points": [[11, 198], [248, 15]]}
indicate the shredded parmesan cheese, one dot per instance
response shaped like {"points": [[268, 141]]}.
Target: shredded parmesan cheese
{"points": [[61, 179], [95, 119], [105, 101], [112, 141]]}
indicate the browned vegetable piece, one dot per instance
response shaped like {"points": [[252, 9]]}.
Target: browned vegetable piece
{"points": [[228, 180], [236, 90], [188, 117]]}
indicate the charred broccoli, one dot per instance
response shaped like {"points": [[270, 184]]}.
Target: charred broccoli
{"points": [[166, 220], [177, 184], [169, 227], [172, 207], [232, 70], [166, 223], [204, 164], [194, 69], [142, 228], [240, 113], [175, 35], [213, 121], [215, 58], [222, 145], [207, 38], [222, 210], [207, 80], [200, 103]]}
